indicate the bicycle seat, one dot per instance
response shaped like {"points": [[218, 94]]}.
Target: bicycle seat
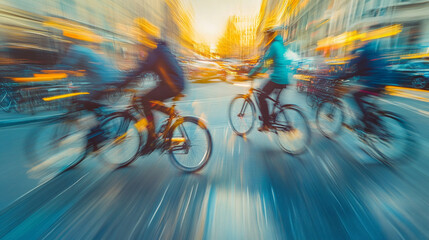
{"points": [[178, 97]]}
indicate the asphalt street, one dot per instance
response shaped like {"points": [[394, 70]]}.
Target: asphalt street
{"points": [[250, 189]]}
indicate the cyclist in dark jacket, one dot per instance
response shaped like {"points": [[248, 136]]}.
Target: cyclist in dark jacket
{"points": [[161, 61], [370, 68]]}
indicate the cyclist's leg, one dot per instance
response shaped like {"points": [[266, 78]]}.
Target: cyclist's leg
{"points": [[358, 95], [267, 90], [160, 93], [369, 118]]}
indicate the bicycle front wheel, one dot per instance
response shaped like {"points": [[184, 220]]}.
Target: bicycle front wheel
{"points": [[190, 144], [391, 139], [122, 139], [330, 118], [292, 130], [56, 147], [242, 115]]}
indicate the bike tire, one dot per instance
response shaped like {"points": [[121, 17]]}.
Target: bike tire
{"points": [[246, 102], [319, 117], [44, 146], [177, 131], [407, 141], [282, 127], [118, 128]]}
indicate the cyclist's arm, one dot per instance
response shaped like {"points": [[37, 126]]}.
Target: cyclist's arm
{"points": [[268, 55], [144, 66]]}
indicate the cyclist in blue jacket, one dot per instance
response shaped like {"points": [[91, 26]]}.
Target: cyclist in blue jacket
{"points": [[279, 78]]}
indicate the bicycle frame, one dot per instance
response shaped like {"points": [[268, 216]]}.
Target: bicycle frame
{"points": [[252, 91], [166, 125]]}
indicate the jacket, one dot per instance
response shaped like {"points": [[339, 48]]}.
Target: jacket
{"points": [[98, 69], [162, 62], [276, 52], [370, 66]]}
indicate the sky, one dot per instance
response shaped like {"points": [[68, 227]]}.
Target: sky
{"points": [[210, 16]]}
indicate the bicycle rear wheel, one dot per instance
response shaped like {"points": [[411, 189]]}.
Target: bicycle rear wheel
{"points": [[292, 129], [391, 141], [330, 118], [57, 147], [242, 115], [190, 144], [122, 141]]}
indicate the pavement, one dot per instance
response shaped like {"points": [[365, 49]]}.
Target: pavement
{"points": [[249, 189], [17, 119]]}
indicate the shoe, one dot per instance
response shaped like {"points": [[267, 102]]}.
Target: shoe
{"points": [[264, 128]]}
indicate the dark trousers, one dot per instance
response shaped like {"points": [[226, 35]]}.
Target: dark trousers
{"points": [[359, 95], [269, 87], [160, 93]]}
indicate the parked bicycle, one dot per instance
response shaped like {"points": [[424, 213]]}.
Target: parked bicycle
{"points": [[287, 121], [386, 136]]}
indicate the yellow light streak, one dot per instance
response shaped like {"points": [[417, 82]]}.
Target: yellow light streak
{"points": [[41, 77], [383, 32], [48, 99], [78, 73], [347, 38], [400, 92], [178, 139], [415, 55]]}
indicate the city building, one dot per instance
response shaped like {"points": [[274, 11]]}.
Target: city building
{"points": [[313, 23]]}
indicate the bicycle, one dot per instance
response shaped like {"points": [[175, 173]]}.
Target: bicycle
{"points": [[284, 120], [178, 135], [321, 88], [376, 135], [84, 129]]}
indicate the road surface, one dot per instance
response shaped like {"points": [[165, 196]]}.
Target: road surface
{"points": [[249, 189]]}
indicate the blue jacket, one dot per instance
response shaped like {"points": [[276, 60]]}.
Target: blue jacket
{"points": [[162, 61], [370, 66], [276, 52], [98, 69]]}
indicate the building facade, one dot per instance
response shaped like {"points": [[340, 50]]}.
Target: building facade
{"points": [[311, 22]]}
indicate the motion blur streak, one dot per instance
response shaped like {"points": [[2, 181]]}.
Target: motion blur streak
{"points": [[339, 155], [64, 96]]}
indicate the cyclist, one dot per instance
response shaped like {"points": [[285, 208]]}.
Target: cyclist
{"points": [[275, 51], [161, 61], [81, 54], [370, 68]]}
